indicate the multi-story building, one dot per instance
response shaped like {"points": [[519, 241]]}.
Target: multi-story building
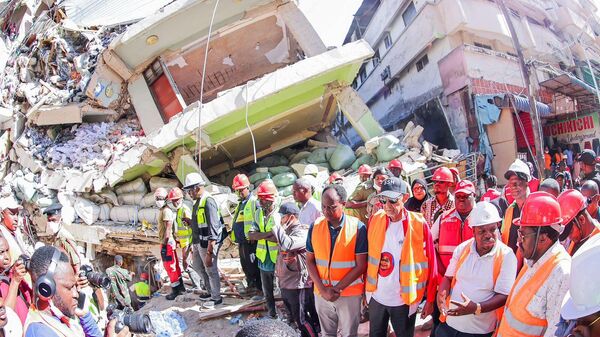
{"points": [[435, 61]]}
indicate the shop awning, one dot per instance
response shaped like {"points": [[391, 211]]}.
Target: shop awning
{"points": [[522, 104], [573, 87]]}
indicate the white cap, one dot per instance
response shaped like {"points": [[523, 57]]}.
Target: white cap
{"points": [[484, 213], [583, 297], [192, 179], [311, 169], [519, 168], [162, 192], [9, 203]]}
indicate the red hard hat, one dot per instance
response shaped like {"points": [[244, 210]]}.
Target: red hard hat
{"points": [[395, 163], [455, 173], [144, 276], [335, 176], [240, 181], [175, 193], [443, 174], [267, 190], [540, 209], [365, 169], [571, 203]]}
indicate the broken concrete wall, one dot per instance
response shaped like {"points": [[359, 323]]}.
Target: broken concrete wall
{"points": [[145, 107]]}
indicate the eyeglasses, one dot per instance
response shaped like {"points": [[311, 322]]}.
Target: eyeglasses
{"points": [[386, 200], [522, 236]]}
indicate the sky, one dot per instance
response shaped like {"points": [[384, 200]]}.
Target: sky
{"points": [[331, 18]]}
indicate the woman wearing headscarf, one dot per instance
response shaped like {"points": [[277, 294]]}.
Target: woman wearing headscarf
{"points": [[420, 194]]}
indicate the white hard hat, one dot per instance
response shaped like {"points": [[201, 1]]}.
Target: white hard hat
{"points": [[9, 203], [484, 213], [161, 192], [311, 169], [583, 297], [192, 179], [519, 168]]}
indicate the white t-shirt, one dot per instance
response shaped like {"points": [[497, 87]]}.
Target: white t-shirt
{"points": [[476, 281], [310, 212]]}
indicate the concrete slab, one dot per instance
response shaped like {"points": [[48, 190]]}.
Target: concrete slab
{"points": [[54, 115]]}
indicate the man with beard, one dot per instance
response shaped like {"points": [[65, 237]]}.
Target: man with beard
{"points": [[444, 201]]}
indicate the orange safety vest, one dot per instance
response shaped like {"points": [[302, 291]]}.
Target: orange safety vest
{"points": [[453, 232], [333, 267], [507, 223], [572, 244], [414, 265], [517, 320], [498, 259]]}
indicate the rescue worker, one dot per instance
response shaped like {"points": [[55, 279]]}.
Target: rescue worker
{"points": [[243, 218], [119, 277], [533, 305], [310, 208], [518, 176], [452, 227], [395, 166], [551, 186], [587, 159], [292, 273], [335, 178], [60, 236], [401, 264], [582, 302], [478, 279], [168, 248], [589, 189], [142, 290], [579, 224], [337, 259], [357, 202], [456, 176], [379, 176], [207, 235], [267, 249], [491, 189], [311, 171], [443, 201]]}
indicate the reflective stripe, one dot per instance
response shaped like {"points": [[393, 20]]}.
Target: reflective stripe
{"points": [[261, 246], [342, 265], [203, 225], [534, 330], [371, 280], [322, 263], [420, 285], [373, 261], [446, 249], [417, 266], [357, 281]]}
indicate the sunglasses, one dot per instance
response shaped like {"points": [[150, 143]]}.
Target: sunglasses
{"points": [[386, 200]]}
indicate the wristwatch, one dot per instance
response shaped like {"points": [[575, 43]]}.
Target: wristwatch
{"points": [[478, 310]]}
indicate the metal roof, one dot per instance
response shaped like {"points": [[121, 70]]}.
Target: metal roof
{"points": [[573, 87], [522, 104]]}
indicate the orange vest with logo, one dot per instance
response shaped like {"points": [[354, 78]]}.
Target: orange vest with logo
{"points": [[572, 244], [498, 259], [414, 265], [453, 232], [517, 320], [334, 266]]}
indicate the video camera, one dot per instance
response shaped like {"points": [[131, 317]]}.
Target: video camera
{"points": [[96, 279], [137, 323]]}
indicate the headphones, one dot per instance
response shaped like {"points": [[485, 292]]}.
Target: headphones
{"points": [[45, 287]]}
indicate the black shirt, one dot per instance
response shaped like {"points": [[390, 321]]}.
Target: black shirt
{"points": [[502, 206], [215, 227]]}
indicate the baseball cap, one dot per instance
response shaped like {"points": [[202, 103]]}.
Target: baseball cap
{"points": [[465, 186], [289, 208], [52, 209], [393, 188], [587, 157]]}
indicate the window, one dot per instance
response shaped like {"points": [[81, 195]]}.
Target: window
{"points": [[152, 73], [409, 14], [514, 13], [376, 59], [362, 75], [422, 62], [481, 45], [387, 40]]}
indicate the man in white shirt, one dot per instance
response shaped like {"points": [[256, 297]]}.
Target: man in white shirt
{"points": [[310, 208], [479, 277]]}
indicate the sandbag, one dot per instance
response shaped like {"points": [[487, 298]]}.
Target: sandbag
{"points": [[109, 197], [259, 176], [148, 200], [317, 156], [284, 179], [136, 185], [299, 156], [275, 160], [330, 151], [104, 212], [134, 198], [149, 215], [342, 157], [156, 182], [86, 210], [364, 159], [124, 214], [261, 170], [279, 169], [389, 148], [285, 191]]}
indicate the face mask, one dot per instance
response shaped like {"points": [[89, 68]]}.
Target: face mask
{"points": [[160, 203], [53, 226], [177, 205]]}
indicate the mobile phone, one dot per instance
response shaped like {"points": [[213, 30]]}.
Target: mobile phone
{"points": [[81, 301]]}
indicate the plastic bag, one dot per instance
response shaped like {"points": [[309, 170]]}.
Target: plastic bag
{"points": [[136, 185], [389, 148], [86, 210], [124, 214], [104, 212], [364, 159], [149, 215], [317, 156], [156, 182], [299, 156], [134, 198], [275, 160], [284, 179], [342, 157], [279, 169], [285, 191], [259, 176]]}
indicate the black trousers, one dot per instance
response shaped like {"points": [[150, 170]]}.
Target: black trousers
{"points": [[435, 317], [250, 267], [444, 330], [268, 286], [380, 316], [301, 305]]}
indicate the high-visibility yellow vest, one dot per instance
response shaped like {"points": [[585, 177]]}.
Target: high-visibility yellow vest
{"points": [[183, 231], [245, 215], [142, 290], [264, 246], [201, 215]]}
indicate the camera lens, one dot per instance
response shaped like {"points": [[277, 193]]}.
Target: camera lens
{"points": [[138, 323]]}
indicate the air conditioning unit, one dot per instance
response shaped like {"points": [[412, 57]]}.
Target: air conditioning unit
{"points": [[386, 74]]}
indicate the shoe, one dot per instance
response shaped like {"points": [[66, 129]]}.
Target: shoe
{"points": [[176, 291], [212, 303], [204, 297]]}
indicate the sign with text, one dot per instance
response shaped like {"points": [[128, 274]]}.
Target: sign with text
{"points": [[574, 130]]}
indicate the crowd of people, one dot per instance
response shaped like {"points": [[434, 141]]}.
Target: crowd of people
{"points": [[521, 261]]}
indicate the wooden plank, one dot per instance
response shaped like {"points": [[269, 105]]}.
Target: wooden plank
{"points": [[230, 309]]}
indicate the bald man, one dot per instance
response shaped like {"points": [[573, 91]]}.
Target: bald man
{"points": [[589, 189]]}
